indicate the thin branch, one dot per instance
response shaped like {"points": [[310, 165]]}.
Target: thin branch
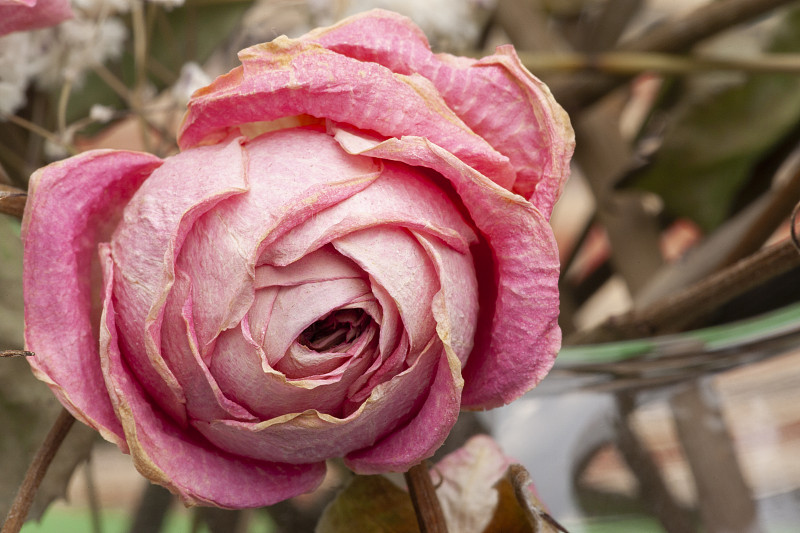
{"points": [[140, 62], [673, 313], [36, 471], [35, 128], [16, 353], [673, 36], [426, 504], [631, 63]]}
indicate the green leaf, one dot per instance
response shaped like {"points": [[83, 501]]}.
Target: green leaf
{"points": [[369, 504]]}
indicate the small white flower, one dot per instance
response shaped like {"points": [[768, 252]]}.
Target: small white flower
{"points": [[192, 78], [100, 113]]}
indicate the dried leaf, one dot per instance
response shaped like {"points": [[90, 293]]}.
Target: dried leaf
{"points": [[369, 504], [468, 475]]}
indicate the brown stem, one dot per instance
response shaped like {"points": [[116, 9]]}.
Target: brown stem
{"points": [[423, 495], [36, 471], [16, 353], [12, 200], [674, 313]]}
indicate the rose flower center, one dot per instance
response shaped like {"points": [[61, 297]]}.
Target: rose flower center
{"points": [[338, 329]]}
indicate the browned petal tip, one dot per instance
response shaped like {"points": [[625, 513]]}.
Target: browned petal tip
{"points": [[12, 200]]}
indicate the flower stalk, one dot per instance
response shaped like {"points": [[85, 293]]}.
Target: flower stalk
{"points": [[423, 496]]}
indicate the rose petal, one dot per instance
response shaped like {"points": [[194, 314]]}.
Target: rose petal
{"points": [[424, 434], [243, 374], [290, 77], [324, 264], [24, 15], [204, 399], [296, 308], [170, 456], [455, 306], [292, 175], [402, 268], [144, 247], [306, 436], [401, 196], [72, 205], [517, 341], [521, 119]]}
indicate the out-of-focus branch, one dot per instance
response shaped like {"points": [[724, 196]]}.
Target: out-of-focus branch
{"points": [[12, 200], [33, 478], [670, 37], [674, 313], [629, 63]]}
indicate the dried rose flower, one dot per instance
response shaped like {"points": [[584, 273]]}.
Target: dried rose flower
{"points": [[352, 246]]}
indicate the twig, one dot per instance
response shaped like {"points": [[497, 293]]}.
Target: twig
{"points": [[630, 63], [674, 36], [423, 495], [140, 62], [91, 492], [12, 200], [35, 128], [673, 313], [652, 486], [16, 353], [36, 471]]}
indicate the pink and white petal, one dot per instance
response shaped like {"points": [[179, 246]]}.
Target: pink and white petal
{"points": [[145, 244], [291, 77], [455, 306], [296, 308], [73, 205], [258, 316], [170, 456], [518, 339], [402, 196], [324, 264], [425, 433], [204, 399], [402, 268], [242, 372], [301, 437], [292, 175], [521, 120]]}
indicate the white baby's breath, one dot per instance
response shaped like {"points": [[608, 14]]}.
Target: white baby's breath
{"points": [[192, 78], [100, 113]]}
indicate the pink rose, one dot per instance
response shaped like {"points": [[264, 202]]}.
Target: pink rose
{"points": [[22, 15], [340, 259]]}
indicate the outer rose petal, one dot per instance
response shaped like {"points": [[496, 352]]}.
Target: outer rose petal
{"points": [[521, 119], [425, 433], [179, 460], [144, 247], [288, 77], [517, 349], [72, 205], [22, 15]]}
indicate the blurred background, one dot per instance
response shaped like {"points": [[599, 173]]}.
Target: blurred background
{"points": [[675, 404]]}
